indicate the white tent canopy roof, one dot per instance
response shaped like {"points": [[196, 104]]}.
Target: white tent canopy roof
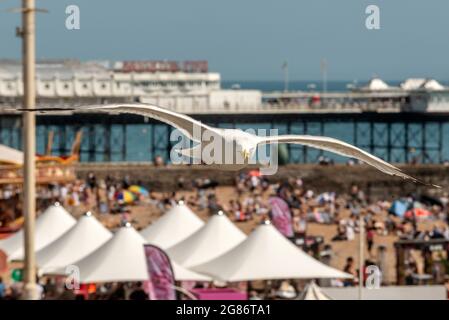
{"points": [[218, 236], [313, 292], [432, 84], [175, 225], [120, 259], [421, 83], [50, 225], [87, 235], [184, 274], [10, 156], [267, 254], [412, 83], [376, 84], [123, 259]]}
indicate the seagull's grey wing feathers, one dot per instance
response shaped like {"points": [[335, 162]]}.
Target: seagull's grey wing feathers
{"points": [[341, 148], [190, 127]]}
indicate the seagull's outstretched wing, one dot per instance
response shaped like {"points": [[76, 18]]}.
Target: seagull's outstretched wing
{"points": [[341, 148], [190, 127]]}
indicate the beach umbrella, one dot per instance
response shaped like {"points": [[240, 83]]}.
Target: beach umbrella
{"points": [[139, 190], [429, 200], [254, 173], [419, 213], [17, 275], [325, 197], [399, 207], [125, 196]]}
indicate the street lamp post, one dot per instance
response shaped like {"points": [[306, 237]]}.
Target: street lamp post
{"points": [[29, 145]]}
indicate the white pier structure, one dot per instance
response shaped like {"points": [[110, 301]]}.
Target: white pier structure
{"points": [[190, 88]]}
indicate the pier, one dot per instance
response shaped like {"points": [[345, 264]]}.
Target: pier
{"points": [[399, 137]]}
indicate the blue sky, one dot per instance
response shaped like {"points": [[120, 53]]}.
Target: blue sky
{"points": [[249, 39]]}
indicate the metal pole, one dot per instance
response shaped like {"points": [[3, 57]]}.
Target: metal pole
{"points": [[285, 67], [324, 74], [29, 146], [361, 254]]}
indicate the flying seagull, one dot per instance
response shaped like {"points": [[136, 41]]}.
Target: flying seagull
{"points": [[245, 143]]}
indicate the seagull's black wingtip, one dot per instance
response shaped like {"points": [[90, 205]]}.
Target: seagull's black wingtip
{"points": [[43, 109], [429, 184]]}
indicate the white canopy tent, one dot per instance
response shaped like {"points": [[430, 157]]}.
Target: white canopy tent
{"points": [[175, 225], [122, 259], [313, 292], [412, 83], [376, 84], [218, 236], [10, 156], [421, 83], [50, 225], [184, 274], [87, 235], [267, 254], [432, 84]]}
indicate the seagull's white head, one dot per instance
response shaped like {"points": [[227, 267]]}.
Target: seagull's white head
{"points": [[246, 151], [246, 154], [246, 143]]}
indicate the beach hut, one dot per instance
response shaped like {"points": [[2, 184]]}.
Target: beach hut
{"points": [[266, 254], [313, 292], [216, 237], [50, 225], [87, 235], [174, 226]]}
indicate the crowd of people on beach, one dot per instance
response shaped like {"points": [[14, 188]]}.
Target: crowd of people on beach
{"points": [[249, 204]]}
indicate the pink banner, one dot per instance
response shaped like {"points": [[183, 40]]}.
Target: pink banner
{"points": [[162, 279], [281, 216]]}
